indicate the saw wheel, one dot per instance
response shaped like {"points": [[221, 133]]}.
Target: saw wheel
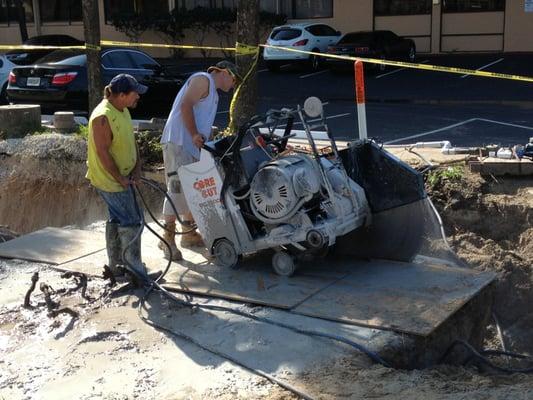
{"points": [[225, 254], [284, 263]]}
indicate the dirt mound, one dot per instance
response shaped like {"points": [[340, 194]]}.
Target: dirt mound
{"points": [[489, 225], [42, 183]]}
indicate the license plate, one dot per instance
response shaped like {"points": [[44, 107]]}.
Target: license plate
{"points": [[33, 81]]}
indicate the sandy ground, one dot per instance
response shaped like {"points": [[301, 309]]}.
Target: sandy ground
{"points": [[110, 353]]}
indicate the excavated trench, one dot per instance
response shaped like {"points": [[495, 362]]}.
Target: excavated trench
{"points": [[488, 222]]}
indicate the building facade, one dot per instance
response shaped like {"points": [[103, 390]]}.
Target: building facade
{"points": [[436, 26]]}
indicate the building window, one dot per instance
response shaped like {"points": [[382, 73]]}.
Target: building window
{"points": [[299, 9], [452, 6], [60, 10], [303, 9], [9, 13], [401, 7], [190, 4], [148, 8]]}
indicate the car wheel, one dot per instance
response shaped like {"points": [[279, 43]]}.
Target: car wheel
{"points": [[272, 66], [315, 62], [412, 54]]}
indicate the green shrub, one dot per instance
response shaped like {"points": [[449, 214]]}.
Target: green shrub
{"points": [[439, 176], [150, 149]]}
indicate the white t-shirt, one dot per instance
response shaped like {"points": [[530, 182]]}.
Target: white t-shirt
{"points": [[204, 111]]}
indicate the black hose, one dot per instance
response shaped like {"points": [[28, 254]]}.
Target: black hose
{"points": [[480, 356], [228, 357], [157, 187]]}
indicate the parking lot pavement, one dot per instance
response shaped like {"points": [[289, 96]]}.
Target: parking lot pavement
{"points": [[415, 104]]}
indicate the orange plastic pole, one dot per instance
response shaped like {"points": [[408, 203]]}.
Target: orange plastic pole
{"points": [[360, 98]]}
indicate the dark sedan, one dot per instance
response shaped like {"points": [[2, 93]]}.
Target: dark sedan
{"points": [[28, 57], [385, 45], [58, 81]]}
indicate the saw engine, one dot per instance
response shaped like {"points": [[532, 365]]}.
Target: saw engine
{"points": [[280, 188]]}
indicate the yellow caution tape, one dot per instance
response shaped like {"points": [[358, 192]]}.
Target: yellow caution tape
{"points": [[242, 49], [427, 67], [164, 46], [92, 47], [29, 47]]}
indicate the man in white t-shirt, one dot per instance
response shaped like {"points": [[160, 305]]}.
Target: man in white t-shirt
{"points": [[188, 127]]}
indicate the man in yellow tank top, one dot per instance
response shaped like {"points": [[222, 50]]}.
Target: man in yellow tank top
{"points": [[113, 166]]}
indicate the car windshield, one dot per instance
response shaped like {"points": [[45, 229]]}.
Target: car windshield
{"points": [[285, 34], [63, 57], [357, 38]]}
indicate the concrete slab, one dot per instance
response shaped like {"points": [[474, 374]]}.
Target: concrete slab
{"points": [[404, 297], [53, 245], [254, 282]]}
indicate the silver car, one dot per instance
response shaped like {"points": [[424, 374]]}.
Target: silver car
{"points": [[309, 36]]}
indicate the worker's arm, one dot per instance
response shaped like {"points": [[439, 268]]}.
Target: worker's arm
{"points": [[197, 90], [103, 136]]}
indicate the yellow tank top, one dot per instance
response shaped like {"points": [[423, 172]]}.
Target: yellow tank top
{"points": [[123, 149]]}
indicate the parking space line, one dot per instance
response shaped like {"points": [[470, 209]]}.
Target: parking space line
{"points": [[398, 70], [314, 73], [506, 124], [456, 125], [223, 112], [262, 70], [432, 131], [483, 67]]}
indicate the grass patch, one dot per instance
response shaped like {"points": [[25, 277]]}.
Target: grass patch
{"points": [[450, 174]]}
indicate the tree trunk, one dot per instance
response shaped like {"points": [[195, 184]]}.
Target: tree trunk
{"points": [[22, 20], [247, 33], [91, 30]]}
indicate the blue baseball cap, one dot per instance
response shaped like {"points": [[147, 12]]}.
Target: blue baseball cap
{"points": [[124, 83]]}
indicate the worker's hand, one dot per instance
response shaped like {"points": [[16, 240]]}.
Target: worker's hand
{"points": [[124, 181], [198, 140], [135, 179]]}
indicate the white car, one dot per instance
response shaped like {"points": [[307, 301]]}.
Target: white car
{"points": [[5, 68], [310, 36]]}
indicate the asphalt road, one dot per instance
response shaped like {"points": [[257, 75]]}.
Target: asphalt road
{"points": [[407, 105]]}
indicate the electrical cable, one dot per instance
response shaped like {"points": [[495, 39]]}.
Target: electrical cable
{"points": [[485, 361], [155, 186]]}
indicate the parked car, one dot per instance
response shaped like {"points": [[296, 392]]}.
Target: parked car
{"points": [[371, 44], [315, 37], [28, 57], [5, 68], [58, 81]]}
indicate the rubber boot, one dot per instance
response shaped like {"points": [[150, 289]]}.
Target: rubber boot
{"points": [[130, 241], [192, 239], [114, 249], [169, 236]]}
